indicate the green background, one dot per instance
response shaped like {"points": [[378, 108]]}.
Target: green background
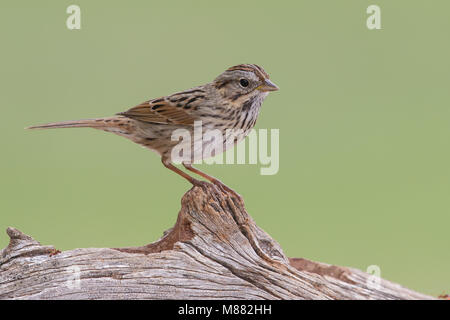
{"points": [[363, 118]]}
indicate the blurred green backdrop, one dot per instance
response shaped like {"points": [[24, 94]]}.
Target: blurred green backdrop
{"points": [[363, 118]]}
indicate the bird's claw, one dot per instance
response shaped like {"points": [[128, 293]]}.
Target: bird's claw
{"points": [[226, 189]]}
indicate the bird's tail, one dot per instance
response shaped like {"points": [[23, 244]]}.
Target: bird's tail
{"points": [[99, 123]]}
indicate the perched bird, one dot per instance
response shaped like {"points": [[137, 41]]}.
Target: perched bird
{"points": [[231, 103]]}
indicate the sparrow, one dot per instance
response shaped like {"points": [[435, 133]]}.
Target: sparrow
{"points": [[230, 104]]}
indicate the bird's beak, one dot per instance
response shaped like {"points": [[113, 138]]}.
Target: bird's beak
{"points": [[268, 86]]}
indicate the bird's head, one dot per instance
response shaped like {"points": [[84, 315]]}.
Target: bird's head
{"points": [[244, 81]]}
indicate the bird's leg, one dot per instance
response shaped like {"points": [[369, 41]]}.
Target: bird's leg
{"points": [[192, 180], [217, 182]]}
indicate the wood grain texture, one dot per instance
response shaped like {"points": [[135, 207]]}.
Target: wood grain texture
{"points": [[214, 251]]}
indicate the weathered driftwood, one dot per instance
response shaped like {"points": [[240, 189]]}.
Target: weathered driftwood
{"points": [[214, 251]]}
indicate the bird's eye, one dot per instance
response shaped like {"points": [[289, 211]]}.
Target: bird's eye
{"points": [[244, 82]]}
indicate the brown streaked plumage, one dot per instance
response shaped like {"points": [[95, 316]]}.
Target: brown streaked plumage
{"points": [[231, 101]]}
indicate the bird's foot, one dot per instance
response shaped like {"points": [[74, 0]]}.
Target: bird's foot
{"points": [[226, 189], [197, 183]]}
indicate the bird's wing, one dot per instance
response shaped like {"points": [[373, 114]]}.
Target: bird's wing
{"points": [[174, 109]]}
